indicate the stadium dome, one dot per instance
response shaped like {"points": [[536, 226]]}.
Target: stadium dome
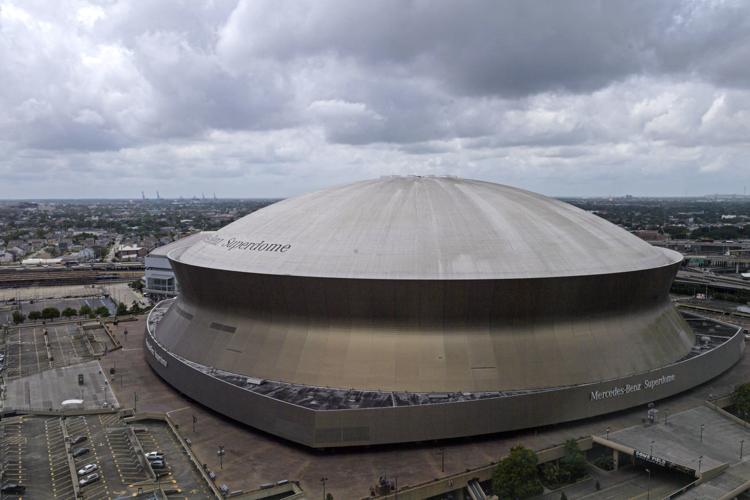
{"points": [[408, 291]]}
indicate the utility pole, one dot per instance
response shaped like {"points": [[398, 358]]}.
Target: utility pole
{"points": [[194, 421]]}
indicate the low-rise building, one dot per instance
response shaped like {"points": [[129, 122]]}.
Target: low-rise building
{"points": [[160, 279]]}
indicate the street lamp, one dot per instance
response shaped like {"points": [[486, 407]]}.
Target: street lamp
{"points": [[651, 453], [742, 443], [607, 432], [323, 480], [220, 453], [648, 494], [702, 425], [700, 461]]}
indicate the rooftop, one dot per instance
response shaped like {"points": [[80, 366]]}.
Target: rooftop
{"points": [[418, 227]]}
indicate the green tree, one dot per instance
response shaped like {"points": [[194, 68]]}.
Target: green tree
{"points": [[741, 400], [516, 476], [18, 317], [35, 315], [136, 285], [102, 311], [135, 308], [122, 309], [50, 313], [85, 310], [573, 463], [69, 312]]}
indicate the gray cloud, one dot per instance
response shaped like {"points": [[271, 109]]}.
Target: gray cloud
{"points": [[271, 98]]}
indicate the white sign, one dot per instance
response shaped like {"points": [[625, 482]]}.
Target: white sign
{"points": [[647, 384]]}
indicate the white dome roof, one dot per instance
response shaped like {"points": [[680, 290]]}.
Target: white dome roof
{"points": [[424, 228]]}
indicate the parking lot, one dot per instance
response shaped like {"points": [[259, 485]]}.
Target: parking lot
{"points": [[25, 455], [59, 472], [88, 429], [179, 473], [32, 349], [33, 454]]}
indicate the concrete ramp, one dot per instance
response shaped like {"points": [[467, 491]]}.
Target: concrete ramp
{"points": [[47, 390]]}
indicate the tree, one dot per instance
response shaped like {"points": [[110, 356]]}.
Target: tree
{"points": [[135, 308], [516, 476], [741, 400], [573, 463], [35, 315], [122, 309], [136, 285], [85, 310], [50, 313], [18, 317], [102, 311], [69, 312]]}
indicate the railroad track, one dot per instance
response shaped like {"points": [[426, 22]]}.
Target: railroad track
{"points": [[46, 277]]}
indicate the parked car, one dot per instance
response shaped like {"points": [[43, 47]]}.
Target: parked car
{"points": [[79, 452], [87, 469], [79, 439], [13, 488], [157, 464], [89, 479], [152, 454]]}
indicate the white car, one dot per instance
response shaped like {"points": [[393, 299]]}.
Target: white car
{"points": [[89, 479], [154, 455], [87, 469]]}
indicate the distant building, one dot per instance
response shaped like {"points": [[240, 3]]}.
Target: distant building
{"points": [[649, 235], [129, 252], [160, 279]]}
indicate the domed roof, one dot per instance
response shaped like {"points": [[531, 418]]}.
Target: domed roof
{"points": [[424, 228]]}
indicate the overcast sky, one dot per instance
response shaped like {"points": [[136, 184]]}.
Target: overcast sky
{"points": [[276, 98]]}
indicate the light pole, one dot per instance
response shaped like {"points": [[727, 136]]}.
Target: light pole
{"points": [[651, 453], [742, 443], [135, 402], [323, 480], [441, 451], [194, 421], [648, 494], [607, 432], [220, 453], [700, 461], [702, 425], [666, 414]]}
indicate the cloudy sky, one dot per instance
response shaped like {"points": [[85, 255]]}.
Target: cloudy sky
{"points": [[275, 98]]}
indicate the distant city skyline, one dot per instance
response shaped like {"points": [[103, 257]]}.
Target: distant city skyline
{"points": [[270, 99]]}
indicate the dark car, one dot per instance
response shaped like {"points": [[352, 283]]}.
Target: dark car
{"points": [[78, 439], [79, 452], [157, 464], [13, 488]]}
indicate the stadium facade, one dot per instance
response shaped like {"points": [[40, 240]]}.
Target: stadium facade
{"points": [[418, 308]]}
